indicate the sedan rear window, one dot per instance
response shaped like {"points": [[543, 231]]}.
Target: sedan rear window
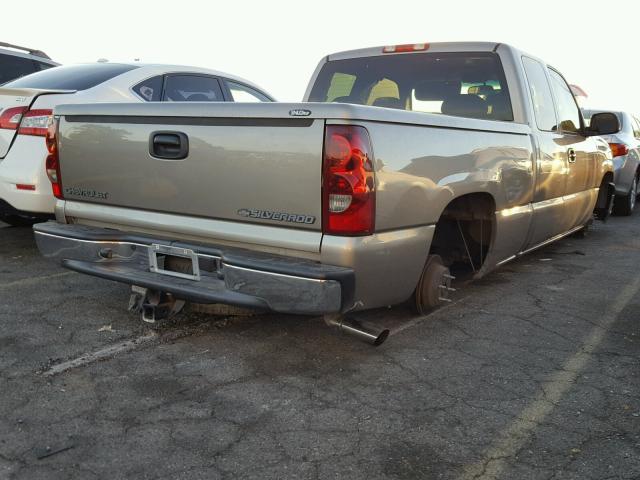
{"points": [[468, 84], [72, 77]]}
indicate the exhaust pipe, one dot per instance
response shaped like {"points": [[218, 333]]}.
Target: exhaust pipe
{"points": [[353, 327]]}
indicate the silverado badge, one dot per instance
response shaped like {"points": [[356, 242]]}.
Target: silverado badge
{"points": [[277, 216]]}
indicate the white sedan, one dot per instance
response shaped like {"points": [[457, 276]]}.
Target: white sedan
{"points": [[26, 106]]}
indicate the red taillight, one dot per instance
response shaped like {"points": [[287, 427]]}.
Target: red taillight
{"points": [[348, 188], [52, 162], [618, 149], [35, 122], [409, 47], [10, 118]]}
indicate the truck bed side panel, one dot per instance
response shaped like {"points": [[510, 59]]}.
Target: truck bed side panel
{"points": [[421, 169]]}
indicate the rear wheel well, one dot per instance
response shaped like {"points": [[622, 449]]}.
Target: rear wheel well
{"points": [[464, 232]]}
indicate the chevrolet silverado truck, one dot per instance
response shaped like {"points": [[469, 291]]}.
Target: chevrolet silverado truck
{"points": [[404, 167]]}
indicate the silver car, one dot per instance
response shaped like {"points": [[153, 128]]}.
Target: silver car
{"points": [[625, 148]]}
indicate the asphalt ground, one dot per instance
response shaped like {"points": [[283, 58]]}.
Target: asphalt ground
{"points": [[531, 373]]}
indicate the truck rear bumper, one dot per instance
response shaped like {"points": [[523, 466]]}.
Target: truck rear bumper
{"points": [[226, 275]]}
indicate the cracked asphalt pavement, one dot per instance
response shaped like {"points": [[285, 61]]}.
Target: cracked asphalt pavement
{"points": [[533, 373]]}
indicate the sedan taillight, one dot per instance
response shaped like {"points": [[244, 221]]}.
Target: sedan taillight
{"points": [[35, 122], [618, 149], [10, 118], [53, 161]]}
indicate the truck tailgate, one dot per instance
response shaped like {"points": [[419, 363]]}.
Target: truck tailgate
{"points": [[247, 168]]}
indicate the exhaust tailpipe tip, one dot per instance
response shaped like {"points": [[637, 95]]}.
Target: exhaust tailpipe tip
{"points": [[382, 337], [353, 327]]}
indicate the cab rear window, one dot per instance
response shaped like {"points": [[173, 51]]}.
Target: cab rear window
{"points": [[72, 77], [463, 84]]}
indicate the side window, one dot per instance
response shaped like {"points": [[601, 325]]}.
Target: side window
{"points": [[150, 90], [192, 88], [242, 93], [42, 66], [568, 113], [540, 94]]}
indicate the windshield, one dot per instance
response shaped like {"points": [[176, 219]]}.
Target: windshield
{"points": [[72, 77], [462, 84]]}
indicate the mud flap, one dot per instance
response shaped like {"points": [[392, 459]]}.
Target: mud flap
{"points": [[604, 205]]}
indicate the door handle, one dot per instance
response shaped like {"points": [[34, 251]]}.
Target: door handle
{"points": [[169, 145], [571, 155]]}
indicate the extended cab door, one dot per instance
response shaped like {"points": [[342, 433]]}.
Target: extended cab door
{"points": [[549, 215], [579, 151]]}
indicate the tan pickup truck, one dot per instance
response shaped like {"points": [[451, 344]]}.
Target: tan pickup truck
{"points": [[404, 167]]}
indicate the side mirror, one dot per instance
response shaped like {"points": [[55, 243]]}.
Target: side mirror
{"points": [[604, 123]]}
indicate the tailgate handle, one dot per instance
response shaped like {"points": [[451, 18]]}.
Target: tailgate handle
{"points": [[169, 145]]}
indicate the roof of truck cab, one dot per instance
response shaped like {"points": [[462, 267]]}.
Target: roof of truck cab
{"points": [[437, 47], [433, 47]]}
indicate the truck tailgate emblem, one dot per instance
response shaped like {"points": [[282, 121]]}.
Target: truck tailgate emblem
{"points": [[299, 112]]}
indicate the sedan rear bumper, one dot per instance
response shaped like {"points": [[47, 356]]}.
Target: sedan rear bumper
{"points": [[24, 165], [224, 274]]}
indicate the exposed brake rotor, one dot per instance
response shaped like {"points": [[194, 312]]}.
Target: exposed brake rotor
{"points": [[434, 286]]}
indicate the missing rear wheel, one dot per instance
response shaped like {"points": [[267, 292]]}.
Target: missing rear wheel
{"points": [[434, 286]]}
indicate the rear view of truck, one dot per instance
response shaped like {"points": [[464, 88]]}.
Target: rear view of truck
{"points": [[323, 207], [246, 219]]}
